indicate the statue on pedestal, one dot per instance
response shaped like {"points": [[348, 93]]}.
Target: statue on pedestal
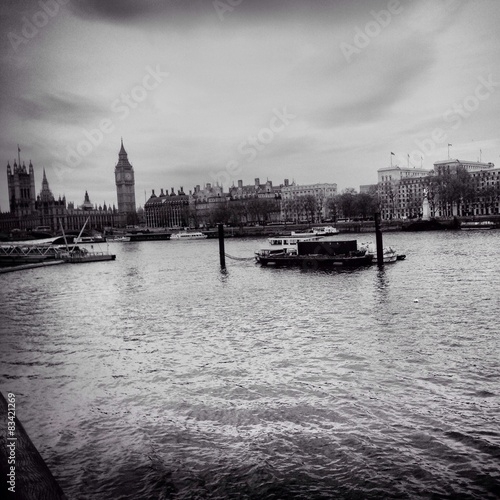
{"points": [[425, 206]]}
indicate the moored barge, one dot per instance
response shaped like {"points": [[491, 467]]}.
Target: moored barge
{"points": [[324, 254]]}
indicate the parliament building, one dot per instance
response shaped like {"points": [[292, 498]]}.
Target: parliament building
{"points": [[29, 211]]}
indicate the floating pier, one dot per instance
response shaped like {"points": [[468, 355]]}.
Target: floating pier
{"points": [[27, 253], [23, 267]]}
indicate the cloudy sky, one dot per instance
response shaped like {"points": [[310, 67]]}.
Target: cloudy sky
{"points": [[216, 91]]}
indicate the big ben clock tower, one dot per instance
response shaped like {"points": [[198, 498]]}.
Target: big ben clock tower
{"points": [[125, 188]]}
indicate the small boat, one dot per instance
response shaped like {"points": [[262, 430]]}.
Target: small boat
{"points": [[325, 231], [89, 239], [390, 255], [467, 226], [309, 232], [318, 231], [189, 236]]}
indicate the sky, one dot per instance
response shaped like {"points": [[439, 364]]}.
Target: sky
{"points": [[214, 91]]}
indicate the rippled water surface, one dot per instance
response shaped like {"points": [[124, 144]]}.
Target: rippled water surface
{"points": [[158, 376]]}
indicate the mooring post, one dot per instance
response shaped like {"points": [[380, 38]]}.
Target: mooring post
{"points": [[222, 254], [378, 240]]}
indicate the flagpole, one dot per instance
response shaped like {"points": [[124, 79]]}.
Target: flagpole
{"points": [[391, 160], [19, 154]]}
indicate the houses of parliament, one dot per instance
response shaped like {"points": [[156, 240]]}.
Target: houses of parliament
{"points": [[29, 211]]}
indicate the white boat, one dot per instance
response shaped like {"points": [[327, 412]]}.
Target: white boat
{"points": [[188, 236], [284, 245], [325, 231], [309, 232], [88, 239], [390, 255], [318, 231], [487, 224]]}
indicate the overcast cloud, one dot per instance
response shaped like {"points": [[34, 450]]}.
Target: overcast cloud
{"points": [[190, 87]]}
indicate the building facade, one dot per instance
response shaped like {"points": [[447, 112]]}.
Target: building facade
{"points": [[451, 166], [167, 209], [300, 203], [204, 203], [487, 183], [453, 188], [401, 191], [478, 190], [21, 185], [99, 218], [257, 203], [30, 211]]}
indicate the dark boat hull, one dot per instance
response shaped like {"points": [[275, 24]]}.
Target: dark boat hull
{"points": [[79, 259], [152, 236], [317, 261]]}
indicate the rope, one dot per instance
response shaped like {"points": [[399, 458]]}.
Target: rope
{"points": [[238, 258]]}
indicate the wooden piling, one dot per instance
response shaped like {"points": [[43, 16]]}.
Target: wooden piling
{"points": [[378, 240], [222, 253]]}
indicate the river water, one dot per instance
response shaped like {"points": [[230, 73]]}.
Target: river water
{"points": [[159, 376]]}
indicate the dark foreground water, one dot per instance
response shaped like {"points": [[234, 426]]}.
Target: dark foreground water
{"points": [[157, 376]]}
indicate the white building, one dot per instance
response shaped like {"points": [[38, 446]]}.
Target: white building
{"points": [[451, 166], [397, 173], [401, 190], [485, 182]]}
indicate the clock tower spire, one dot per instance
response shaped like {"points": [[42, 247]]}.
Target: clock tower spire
{"points": [[125, 188]]}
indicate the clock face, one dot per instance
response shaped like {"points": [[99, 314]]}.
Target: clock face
{"points": [[128, 176], [118, 176]]}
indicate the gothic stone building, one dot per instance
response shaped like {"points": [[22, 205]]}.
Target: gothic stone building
{"points": [[29, 211], [125, 189]]}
